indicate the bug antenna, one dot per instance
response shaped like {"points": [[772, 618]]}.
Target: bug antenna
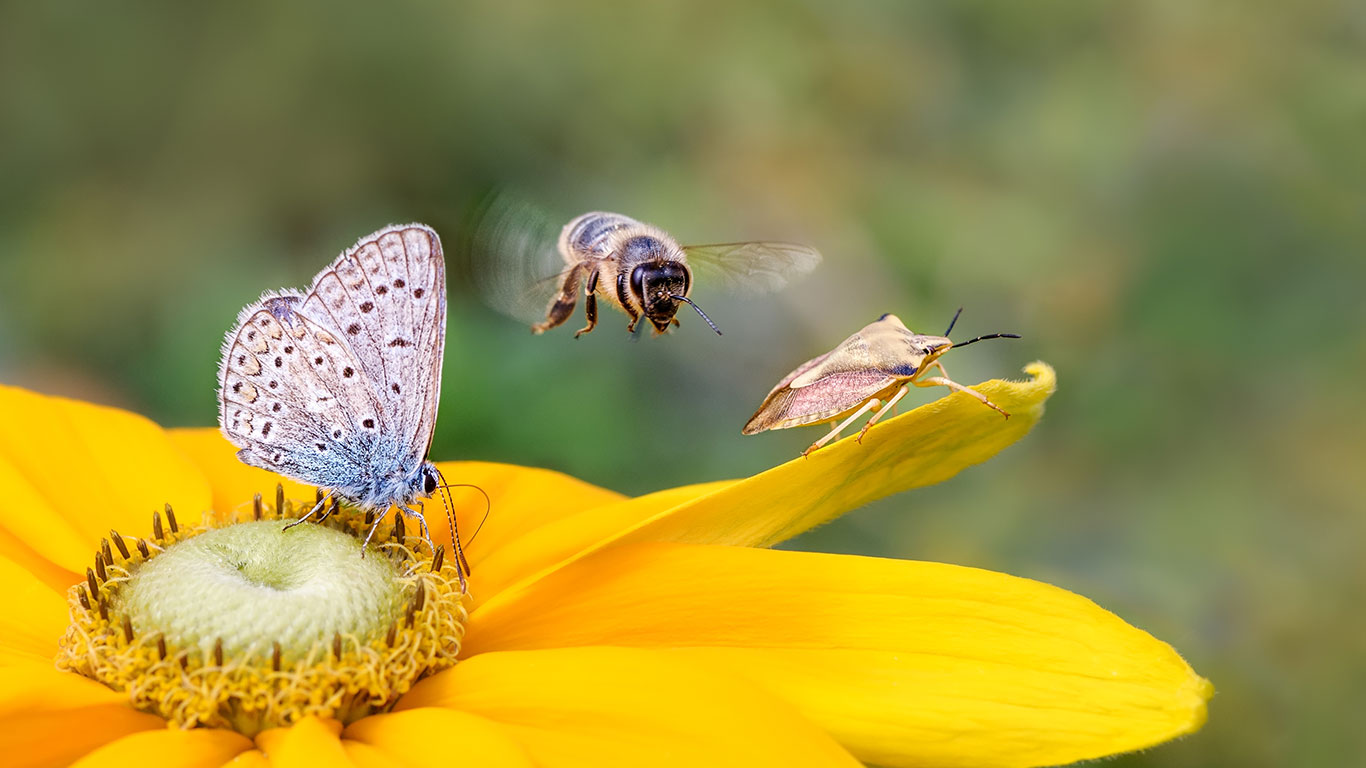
{"points": [[461, 564], [699, 311], [958, 344], [954, 320]]}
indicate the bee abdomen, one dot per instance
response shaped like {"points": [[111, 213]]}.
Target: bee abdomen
{"points": [[590, 233]]}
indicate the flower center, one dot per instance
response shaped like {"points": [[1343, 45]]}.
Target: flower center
{"points": [[247, 625]]}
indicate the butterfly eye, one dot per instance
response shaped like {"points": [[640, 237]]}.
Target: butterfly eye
{"points": [[428, 482]]}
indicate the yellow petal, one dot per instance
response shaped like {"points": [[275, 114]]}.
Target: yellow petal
{"points": [[93, 468], [309, 742], [365, 756], [233, 483], [35, 616], [169, 748], [252, 758], [627, 707], [925, 446], [522, 499], [34, 536], [52, 718], [434, 737], [556, 540], [905, 663]]}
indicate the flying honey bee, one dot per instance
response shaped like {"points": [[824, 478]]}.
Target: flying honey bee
{"points": [[637, 268], [872, 368]]}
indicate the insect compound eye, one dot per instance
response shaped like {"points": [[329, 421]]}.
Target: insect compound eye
{"points": [[638, 280], [428, 480]]}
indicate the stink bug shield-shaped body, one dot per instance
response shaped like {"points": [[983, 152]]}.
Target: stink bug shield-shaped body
{"points": [[872, 368]]}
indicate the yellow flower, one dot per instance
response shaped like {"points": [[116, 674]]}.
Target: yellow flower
{"points": [[604, 630]]}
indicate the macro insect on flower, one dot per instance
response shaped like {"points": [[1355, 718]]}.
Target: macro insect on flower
{"points": [[339, 387], [871, 368]]}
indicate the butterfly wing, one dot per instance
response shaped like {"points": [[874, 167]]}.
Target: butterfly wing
{"points": [[317, 385], [751, 268], [386, 296]]}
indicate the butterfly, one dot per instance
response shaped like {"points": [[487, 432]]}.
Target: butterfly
{"points": [[338, 387]]}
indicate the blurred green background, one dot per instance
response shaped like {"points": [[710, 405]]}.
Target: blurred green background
{"points": [[1167, 199]]}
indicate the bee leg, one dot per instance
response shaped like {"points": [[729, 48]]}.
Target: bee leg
{"points": [[890, 402], [675, 322], [872, 403], [590, 305], [562, 306], [945, 381]]}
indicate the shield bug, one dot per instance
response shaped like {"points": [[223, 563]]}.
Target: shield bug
{"points": [[872, 368]]}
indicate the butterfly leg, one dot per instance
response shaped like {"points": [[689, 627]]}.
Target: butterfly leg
{"points": [[421, 523], [890, 402], [945, 381], [590, 304], [321, 503], [379, 518], [562, 306], [834, 433]]}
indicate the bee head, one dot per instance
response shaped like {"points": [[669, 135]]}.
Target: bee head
{"points": [[658, 286]]}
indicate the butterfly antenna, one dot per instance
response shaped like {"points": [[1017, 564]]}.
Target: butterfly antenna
{"points": [[958, 344], [699, 311], [462, 565], [954, 320]]}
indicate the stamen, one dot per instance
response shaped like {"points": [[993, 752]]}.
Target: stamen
{"points": [[144, 626], [118, 542], [279, 499]]}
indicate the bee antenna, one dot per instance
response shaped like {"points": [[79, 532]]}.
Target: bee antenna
{"points": [[954, 320], [699, 311], [984, 338]]}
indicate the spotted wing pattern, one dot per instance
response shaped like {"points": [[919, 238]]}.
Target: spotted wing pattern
{"points": [[312, 383]]}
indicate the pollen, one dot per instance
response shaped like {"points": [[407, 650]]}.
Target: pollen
{"points": [[238, 623]]}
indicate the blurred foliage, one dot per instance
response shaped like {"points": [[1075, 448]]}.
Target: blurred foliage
{"points": [[1165, 198]]}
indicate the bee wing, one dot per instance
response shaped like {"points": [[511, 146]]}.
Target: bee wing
{"points": [[751, 268], [510, 257]]}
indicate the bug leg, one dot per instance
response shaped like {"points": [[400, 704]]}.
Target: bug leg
{"points": [[945, 381], [590, 304], [321, 503], [562, 306], [379, 518], [421, 522], [834, 433], [890, 402]]}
